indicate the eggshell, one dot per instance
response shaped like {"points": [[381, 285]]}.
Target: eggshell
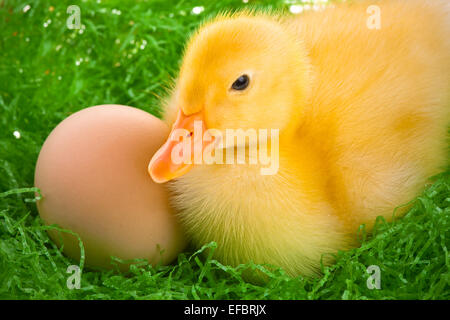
{"points": [[92, 173]]}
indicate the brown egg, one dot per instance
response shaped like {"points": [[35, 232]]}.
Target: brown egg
{"points": [[92, 173]]}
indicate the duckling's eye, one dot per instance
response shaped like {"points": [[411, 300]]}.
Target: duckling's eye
{"points": [[241, 83]]}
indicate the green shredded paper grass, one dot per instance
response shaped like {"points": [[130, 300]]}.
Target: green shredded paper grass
{"points": [[127, 53]]}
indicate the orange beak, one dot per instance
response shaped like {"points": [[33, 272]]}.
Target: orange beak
{"points": [[183, 148]]}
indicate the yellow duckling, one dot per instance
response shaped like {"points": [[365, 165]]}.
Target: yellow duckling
{"points": [[362, 115]]}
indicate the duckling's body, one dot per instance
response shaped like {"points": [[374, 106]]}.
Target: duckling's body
{"points": [[371, 128]]}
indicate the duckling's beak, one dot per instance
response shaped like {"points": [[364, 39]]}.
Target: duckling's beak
{"points": [[176, 156]]}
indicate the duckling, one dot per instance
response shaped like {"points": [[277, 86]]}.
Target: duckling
{"points": [[361, 113]]}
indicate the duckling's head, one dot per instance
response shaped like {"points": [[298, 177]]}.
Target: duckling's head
{"points": [[239, 72]]}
